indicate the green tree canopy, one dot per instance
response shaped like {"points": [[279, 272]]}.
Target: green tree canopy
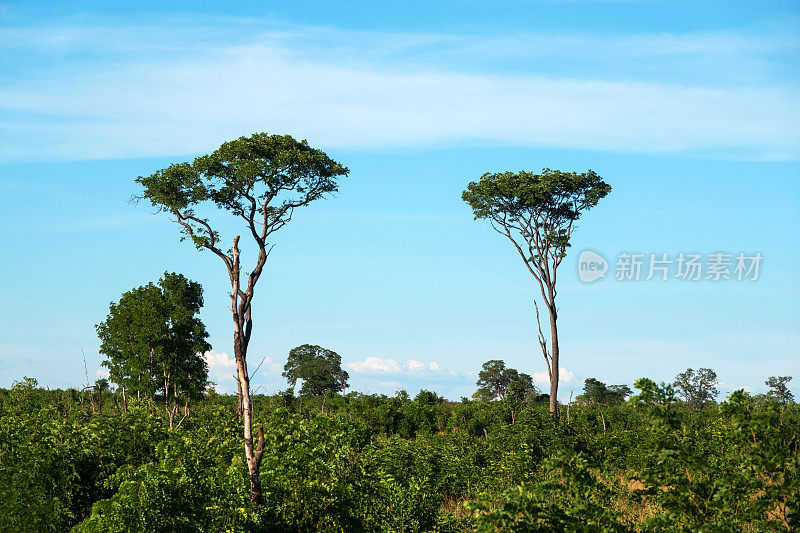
{"points": [[497, 381], [778, 389], [319, 368], [697, 388], [598, 393], [153, 340], [260, 180], [537, 213]]}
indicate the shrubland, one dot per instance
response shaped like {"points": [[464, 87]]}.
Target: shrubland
{"points": [[378, 463]]}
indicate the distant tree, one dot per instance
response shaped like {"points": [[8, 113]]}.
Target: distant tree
{"points": [[653, 395], [426, 397], [521, 389], [319, 368], [537, 213], [497, 381], [260, 180], [697, 388], [493, 380], [153, 341], [778, 389], [598, 393]]}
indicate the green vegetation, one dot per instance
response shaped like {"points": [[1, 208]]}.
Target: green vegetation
{"points": [[377, 463], [258, 180], [152, 340], [538, 213], [319, 368], [105, 459]]}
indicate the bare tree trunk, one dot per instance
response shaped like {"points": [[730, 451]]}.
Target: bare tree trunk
{"points": [[569, 404], [253, 456], [553, 362]]}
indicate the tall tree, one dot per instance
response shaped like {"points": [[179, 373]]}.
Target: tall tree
{"points": [[697, 388], [260, 180], [537, 213], [319, 368], [778, 389], [153, 341]]}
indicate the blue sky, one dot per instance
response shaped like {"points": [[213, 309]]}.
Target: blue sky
{"points": [[689, 109]]}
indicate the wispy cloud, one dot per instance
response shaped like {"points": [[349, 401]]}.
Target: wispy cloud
{"points": [[377, 366], [126, 91]]}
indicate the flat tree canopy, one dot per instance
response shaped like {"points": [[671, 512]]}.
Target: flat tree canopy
{"points": [[537, 213], [260, 180]]}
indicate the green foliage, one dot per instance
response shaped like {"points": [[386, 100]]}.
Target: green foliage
{"points": [[497, 381], [778, 389], [697, 388], [360, 462], [597, 393], [152, 340], [266, 174], [568, 497], [319, 368], [546, 204]]}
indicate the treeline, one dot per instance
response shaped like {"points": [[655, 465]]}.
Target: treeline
{"points": [[358, 462]]}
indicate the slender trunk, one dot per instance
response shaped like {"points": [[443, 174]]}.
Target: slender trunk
{"points": [[554, 359], [569, 404], [253, 456], [603, 418]]}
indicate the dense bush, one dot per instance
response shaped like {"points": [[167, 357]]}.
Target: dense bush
{"points": [[377, 463]]}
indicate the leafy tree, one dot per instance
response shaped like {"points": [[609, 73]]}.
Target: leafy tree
{"points": [[658, 396], [153, 341], [497, 381], [521, 389], [493, 380], [260, 180], [537, 213], [319, 368], [778, 389], [598, 393], [697, 388]]}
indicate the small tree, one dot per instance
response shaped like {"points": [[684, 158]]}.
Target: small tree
{"points": [[153, 341], [598, 393], [319, 368], [260, 180], [778, 389], [697, 388], [537, 213]]}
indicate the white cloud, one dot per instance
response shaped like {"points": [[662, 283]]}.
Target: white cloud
{"points": [[564, 376], [157, 95], [219, 360], [221, 368], [375, 365], [270, 368], [730, 387], [102, 373], [411, 367]]}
